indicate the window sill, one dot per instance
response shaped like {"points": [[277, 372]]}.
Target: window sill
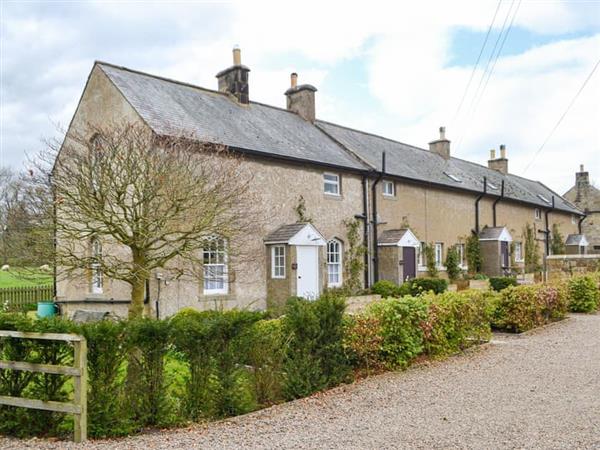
{"points": [[332, 196]]}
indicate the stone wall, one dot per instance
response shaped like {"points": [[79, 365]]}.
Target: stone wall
{"points": [[565, 266]]}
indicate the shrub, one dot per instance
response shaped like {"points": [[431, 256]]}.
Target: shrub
{"points": [[362, 341], [423, 285], [386, 289], [584, 294], [429, 252], [315, 358], [455, 321], [400, 321], [452, 264], [499, 283], [473, 251]]}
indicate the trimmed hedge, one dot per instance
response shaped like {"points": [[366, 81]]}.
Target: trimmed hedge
{"points": [[500, 283], [414, 287], [584, 294]]}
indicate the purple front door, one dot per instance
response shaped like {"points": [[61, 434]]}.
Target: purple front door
{"points": [[408, 255]]}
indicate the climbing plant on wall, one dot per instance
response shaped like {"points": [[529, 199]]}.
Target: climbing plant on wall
{"points": [[557, 244], [429, 252], [452, 264], [353, 257], [532, 247], [473, 250], [300, 209]]}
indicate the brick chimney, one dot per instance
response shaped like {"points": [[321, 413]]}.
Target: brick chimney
{"points": [[499, 164], [301, 99], [234, 80], [442, 145]]}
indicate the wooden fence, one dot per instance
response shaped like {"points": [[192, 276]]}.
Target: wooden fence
{"points": [[78, 371], [23, 295]]}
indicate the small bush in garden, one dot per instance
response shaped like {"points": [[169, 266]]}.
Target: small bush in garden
{"points": [[455, 321], [499, 283], [107, 358], [386, 289], [363, 339], [452, 264], [423, 285], [584, 294], [516, 309], [480, 276], [315, 358], [400, 321]]}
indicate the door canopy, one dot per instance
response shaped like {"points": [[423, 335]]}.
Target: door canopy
{"points": [[296, 234], [495, 234], [398, 238]]}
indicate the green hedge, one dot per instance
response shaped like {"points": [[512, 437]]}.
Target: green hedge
{"points": [[414, 287], [500, 283], [584, 294]]}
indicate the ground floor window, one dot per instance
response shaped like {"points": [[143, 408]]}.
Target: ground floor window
{"points": [[278, 261], [334, 263], [215, 266], [460, 249], [518, 251], [439, 254], [96, 266], [421, 250]]}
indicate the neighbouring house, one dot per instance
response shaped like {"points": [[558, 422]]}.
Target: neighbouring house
{"points": [[587, 198], [404, 196]]}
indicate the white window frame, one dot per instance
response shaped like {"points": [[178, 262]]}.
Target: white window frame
{"points": [[218, 254], [421, 262], [519, 252], [333, 264], [460, 249], [278, 262], [97, 281], [335, 183], [537, 214], [388, 188], [439, 262]]}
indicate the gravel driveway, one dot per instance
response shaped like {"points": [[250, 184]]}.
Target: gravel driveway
{"points": [[536, 390]]}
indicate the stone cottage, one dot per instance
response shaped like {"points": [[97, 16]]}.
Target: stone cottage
{"points": [[587, 198], [402, 195]]}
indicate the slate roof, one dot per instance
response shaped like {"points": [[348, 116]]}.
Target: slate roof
{"points": [[418, 164], [285, 232], [576, 239], [491, 233], [391, 236], [172, 108]]}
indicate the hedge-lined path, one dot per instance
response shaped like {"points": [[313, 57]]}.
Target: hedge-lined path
{"points": [[536, 390]]}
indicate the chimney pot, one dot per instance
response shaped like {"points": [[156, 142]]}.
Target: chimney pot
{"points": [[581, 168], [237, 56], [503, 151], [492, 154], [294, 80], [442, 133]]}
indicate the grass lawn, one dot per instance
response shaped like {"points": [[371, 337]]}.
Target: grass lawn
{"points": [[23, 277]]}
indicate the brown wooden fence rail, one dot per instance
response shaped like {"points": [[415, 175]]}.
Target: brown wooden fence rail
{"points": [[23, 295], [78, 371]]}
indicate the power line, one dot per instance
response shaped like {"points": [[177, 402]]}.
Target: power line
{"points": [[477, 62], [562, 116]]}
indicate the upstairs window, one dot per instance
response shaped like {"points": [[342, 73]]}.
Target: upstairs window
{"points": [[278, 261], [537, 213], [439, 254], [96, 266], [215, 266], [331, 183], [334, 263], [389, 188]]}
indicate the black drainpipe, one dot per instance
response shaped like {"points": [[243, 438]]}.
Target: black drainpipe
{"points": [[374, 201], [365, 218], [547, 232], [581, 219], [479, 197], [498, 201]]}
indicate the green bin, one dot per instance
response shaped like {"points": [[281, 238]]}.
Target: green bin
{"points": [[46, 309]]}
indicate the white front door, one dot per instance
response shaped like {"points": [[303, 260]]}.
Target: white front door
{"points": [[307, 273]]}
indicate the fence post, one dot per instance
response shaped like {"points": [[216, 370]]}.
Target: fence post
{"points": [[80, 390]]}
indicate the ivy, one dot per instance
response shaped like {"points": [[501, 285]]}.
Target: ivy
{"points": [[557, 245], [473, 250], [301, 211], [532, 247], [452, 264], [429, 252], [353, 258]]}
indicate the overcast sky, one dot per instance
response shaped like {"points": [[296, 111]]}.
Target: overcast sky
{"points": [[396, 68]]}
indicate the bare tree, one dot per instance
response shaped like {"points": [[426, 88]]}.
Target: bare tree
{"points": [[153, 202]]}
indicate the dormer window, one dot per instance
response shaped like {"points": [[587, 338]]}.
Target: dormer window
{"points": [[389, 188], [453, 177], [331, 183]]}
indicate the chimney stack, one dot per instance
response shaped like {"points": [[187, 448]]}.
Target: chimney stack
{"points": [[234, 80], [301, 99], [582, 184], [442, 145], [499, 164]]}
